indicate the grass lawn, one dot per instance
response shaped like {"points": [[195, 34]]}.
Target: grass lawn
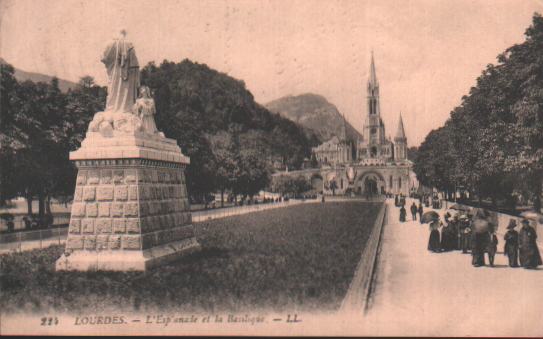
{"points": [[294, 258]]}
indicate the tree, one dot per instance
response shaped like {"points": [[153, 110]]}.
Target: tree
{"points": [[9, 136], [288, 185]]}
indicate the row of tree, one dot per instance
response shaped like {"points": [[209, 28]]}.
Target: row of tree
{"points": [[233, 142], [39, 125], [492, 144]]}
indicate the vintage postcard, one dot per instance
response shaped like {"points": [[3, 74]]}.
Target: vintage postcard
{"points": [[271, 167]]}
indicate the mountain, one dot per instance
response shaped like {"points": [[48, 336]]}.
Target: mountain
{"points": [[21, 76], [315, 113]]}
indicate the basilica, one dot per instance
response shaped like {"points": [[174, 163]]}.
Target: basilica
{"points": [[371, 164]]}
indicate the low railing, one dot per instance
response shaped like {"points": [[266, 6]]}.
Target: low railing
{"points": [[359, 293], [200, 216], [19, 224], [21, 241]]}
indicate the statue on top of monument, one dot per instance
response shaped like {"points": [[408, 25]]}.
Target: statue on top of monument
{"points": [[124, 80], [123, 74]]}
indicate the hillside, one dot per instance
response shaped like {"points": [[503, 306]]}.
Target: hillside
{"points": [[21, 76], [314, 113], [205, 110]]}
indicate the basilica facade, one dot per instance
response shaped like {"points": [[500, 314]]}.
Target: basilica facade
{"points": [[371, 164]]}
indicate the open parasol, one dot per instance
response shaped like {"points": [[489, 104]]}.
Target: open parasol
{"points": [[429, 216], [459, 207], [532, 215], [453, 213]]}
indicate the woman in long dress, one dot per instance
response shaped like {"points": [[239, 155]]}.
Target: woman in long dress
{"points": [[403, 214], [434, 244], [528, 252], [511, 244]]}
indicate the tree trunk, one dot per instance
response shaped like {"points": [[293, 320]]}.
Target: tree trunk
{"points": [[48, 205], [222, 197], [537, 197], [29, 201], [41, 208]]}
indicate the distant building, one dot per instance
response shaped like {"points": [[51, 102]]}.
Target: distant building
{"points": [[372, 164]]}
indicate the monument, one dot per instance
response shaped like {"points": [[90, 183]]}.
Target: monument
{"points": [[130, 209]]}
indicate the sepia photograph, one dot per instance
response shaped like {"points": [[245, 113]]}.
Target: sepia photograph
{"points": [[359, 168]]}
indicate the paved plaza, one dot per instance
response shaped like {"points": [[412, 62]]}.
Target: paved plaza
{"points": [[422, 293]]}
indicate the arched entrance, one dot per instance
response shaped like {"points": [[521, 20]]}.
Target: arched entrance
{"points": [[317, 182], [370, 186], [370, 183]]}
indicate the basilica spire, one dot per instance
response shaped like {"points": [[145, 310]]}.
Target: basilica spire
{"points": [[400, 142], [372, 81], [373, 90], [400, 133]]}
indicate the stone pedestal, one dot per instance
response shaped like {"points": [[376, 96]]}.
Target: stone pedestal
{"points": [[130, 210]]}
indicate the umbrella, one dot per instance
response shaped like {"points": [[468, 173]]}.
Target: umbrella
{"points": [[453, 213], [459, 207], [429, 217], [532, 215]]}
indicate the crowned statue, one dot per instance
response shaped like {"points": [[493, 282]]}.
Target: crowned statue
{"points": [[124, 114]]}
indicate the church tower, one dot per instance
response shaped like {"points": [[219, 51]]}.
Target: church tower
{"points": [[374, 128], [400, 142]]}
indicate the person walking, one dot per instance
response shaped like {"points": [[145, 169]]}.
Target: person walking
{"points": [[434, 244], [420, 210], [510, 249], [465, 232], [528, 252], [414, 211], [492, 246], [479, 243], [403, 214]]}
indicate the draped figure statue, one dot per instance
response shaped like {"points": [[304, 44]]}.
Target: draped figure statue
{"points": [[124, 79], [123, 74]]}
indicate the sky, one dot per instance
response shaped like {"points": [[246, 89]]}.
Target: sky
{"points": [[428, 53]]}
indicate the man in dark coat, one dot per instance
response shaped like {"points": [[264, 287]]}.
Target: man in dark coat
{"points": [[492, 246], [420, 210], [529, 253], [510, 248], [479, 243], [414, 211]]}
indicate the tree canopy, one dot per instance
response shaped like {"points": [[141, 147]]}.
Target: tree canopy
{"points": [[492, 144]]}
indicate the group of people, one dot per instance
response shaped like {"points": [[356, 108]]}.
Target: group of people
{"points": [[413, 209], [461, 233]]}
